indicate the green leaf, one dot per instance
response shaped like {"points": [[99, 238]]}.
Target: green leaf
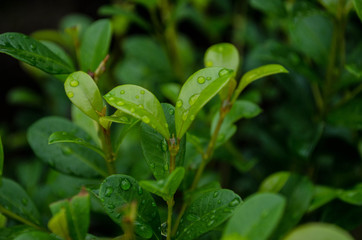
{"points": [[1, 159], [322, 195], [358, 6], [95, 44], [119, 117], [147, 3], [66, 137], [275, 182], [13, 231], [318, 231], [256, 74], [256, 218], [331, 5], [171, 91], [33, 52], [77, 216], [222, 55], [206, 213], [141, 104], [58, 224], [165, 188], [67, 158], [199, 88], [16, 204], [298, 191], [275, 7], [352, 196], [36, 235], [83, 92], [155, 147], [348, 115], [3, 221], [57, 50], [117, 191]]}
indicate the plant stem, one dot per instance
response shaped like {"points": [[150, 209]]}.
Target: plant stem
{"points": [[170, 204], [107, 148]]}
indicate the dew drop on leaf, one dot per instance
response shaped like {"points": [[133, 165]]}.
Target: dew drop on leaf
{"points": [[133, 110], [142, 92], [32, 47], [67, 151], [140, 190], [192, 217], [179, 103], [201, 79], [109, 191], [140, 106], [137, 97], [122, 92], [152, 165], [153, 204], [234, 202], [124, 119], [184, 116], [223, 72], [171, 111], [209, 64], [219, 202], [164, 145], [193, 99], [11, 37], [145, 119], [70, 94], [192, 117], [120, 103], [125, 184], [164, 229], [143, 201], [216, 193], [210, 223], [111, 99], [74, 83], [208, 78], [111, 206]]}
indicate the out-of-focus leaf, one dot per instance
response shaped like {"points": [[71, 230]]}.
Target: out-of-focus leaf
{"points": [[358, 6], [275, 7], [352, 196], [275, 182], [318, 231], [3, 221], [348, 115], [222, 55], [36, 235], [1, 159], [59, 52], [13, 231], [322, 195], [331, 5], [171, 91], [23, 96]]}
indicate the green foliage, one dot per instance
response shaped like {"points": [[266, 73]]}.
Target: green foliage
{"points": [[316, 231], [1, 159]]}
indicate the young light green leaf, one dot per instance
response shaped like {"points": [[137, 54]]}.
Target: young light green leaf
{"points": [[358, 6], [275, 182], [36, 235], [352, 196], [33, 52], [3, 221], [165, 188], [256, 218], [67, 158], [141, 104], [66, 137], [256, 74], [322, 195], [95, 44], [119, 117], [1, 159], [83, 92], [222, 55], [117, 191], [158, 157], [58, 224], [16, 204], [199, 88], [206, 213], [318, 231]]}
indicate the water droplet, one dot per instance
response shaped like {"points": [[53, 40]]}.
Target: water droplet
{"points": [[140, 190], [145, 119], [209, 64], [153, 204], [216, 193], [140, 106], [70, 94], [142, 92], [64, 133], [184, 115], [171, 111], [137, 97], [192, 117], [122, 92], [223, 72], [212, 217], [227, 210], [164, 145], [179, 103], [234, 202], [201, 79], [32, 47], [165, 167], [208, 78], [192, 217], [111, 206], [24, 201], [143, 201], [109, 191], [11, 37], [220, 48], [74, 83], [193, 99], [133, 110], [120, 103], [67, 150], [125, 184], [152, 165], [124, 119], [210, 223], [153, 214], [111, 99], [164, 229]]}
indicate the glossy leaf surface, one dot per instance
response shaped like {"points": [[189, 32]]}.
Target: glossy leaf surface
{"points": [[222, 55], [36, 235], [318, 231], [206, 213], [33, 52], [117, 191], [119, 117], [256, 74], [57, 50], [275, 182], [67, 158], [199, 88], [15, 203], [83, 92], [141, 104], [66, 137], [95, 44], [155, 147], [165, 188], [256, 218]]}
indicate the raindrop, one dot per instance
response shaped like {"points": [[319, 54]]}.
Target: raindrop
{"points": [[111, 99], [223, 72], [124, 119], [122, 92], [140, 191], [193, 99], [120, 103], [140, 106], [165, 167], [24, 201], [164, 229], [210, 223], [111, 206], [145, 119], [201, 79], [11, 37], [209, 64], [142, 92], [125, 184], [133, 110], [164, 145], [192, 117], [143, 201], [32, 47], [184, 116], [208, 78], [171, 111], [70, 94], [67, 151], [179, 103], [234, 202], [137, 97], [109, 191], [192, 217], [74, 83], [153, 204], [216, 193], [152, 165]]}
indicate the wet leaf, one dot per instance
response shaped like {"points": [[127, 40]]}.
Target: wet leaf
{"points": [[83, 92], [155, 147], [256, 218], [33, 52], [119, 117], [67, 158], [15, 203], [95, 44], [165, 188], [118, 191], [36, 235], [206, 213], [317, 231], [196, 92], [66, 137], [222, 55], [141, 104]]}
